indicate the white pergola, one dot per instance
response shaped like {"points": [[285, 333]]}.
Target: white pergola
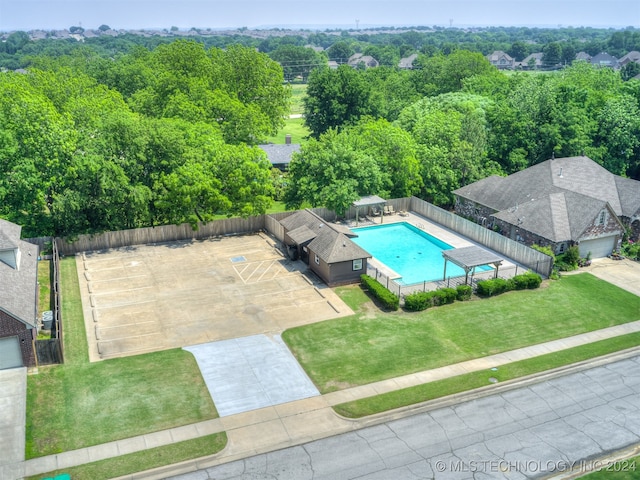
{"points": [[369, 201], [468, 258]]}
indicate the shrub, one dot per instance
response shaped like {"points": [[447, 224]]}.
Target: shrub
{"points": [[444, 296], [496, 286], [418, 301], [463, 292], [388, 299]]}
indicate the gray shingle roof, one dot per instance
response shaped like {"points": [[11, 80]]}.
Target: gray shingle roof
{"points": [[280, 154], [9, 235], [330, 244], [574, 174], [550, 216], [335, 247], [556, 199], [18, 287], [302, 235]]}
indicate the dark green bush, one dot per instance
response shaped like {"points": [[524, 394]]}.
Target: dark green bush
{"points": [[496, 286], [444, 296], [388, 299], [463, 292], [418, 301]]}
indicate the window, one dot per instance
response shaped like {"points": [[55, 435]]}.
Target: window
{"points": [[357, 264], [317, 259], [603, 216]]}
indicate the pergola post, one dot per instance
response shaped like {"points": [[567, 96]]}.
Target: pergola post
{"points": [[444, 275]]}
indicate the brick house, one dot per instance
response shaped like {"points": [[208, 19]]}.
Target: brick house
{"points": [[557, 203], [18, 298]]}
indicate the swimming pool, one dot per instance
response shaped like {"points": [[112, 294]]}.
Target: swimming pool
{"points": [[410, 252]]}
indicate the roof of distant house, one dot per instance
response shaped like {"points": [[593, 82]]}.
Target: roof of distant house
{"points": [[280, 154]]}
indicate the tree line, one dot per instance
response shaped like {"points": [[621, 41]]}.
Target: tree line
{"points": [[454, 121], [89, 144], [162, 135]]}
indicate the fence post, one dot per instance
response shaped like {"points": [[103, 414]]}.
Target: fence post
{"points": [[424, 286]]}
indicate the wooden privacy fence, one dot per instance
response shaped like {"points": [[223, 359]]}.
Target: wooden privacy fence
{"points": [[532, 259], [161, 234]]}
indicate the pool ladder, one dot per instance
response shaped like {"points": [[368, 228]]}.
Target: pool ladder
{"points": [[420, 226]]}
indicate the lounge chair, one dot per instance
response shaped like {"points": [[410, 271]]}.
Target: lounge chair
{"points": [[389, 210], [375, 212]]}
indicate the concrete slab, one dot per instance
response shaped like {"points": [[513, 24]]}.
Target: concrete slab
{"points": [[252, 372], [154, 297], [13, 407]]}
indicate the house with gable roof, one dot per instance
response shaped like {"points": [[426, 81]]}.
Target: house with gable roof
{"points": [[325, 247], [501, 60], [557, 203], [18, 298]]}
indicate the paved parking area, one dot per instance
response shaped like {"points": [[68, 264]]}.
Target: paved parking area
{"points": [[154, 297], [249, 373]]}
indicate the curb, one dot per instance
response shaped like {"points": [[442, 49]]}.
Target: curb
{"points": [[193, 465]]}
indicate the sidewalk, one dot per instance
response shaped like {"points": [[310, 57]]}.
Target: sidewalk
{"points": [[272, 428]]}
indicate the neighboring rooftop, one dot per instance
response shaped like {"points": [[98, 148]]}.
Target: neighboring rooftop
{"points": [[18, 286]]}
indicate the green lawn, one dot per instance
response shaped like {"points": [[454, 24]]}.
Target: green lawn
{"points": [[294, 127], [628, 469], [44, 288], [373, 345], [298, 92], [470, 381], [79, 404], [144, 460]]}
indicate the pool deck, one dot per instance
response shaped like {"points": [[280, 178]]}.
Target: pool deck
{"points": [[432, 228]]}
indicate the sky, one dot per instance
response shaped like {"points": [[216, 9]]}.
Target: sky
{"points": [[218, 14]]}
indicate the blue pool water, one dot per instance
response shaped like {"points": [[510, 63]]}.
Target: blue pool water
{"points": [[407, 250]]}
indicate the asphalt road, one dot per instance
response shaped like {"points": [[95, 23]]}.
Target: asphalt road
{"points": [[530, 432]]}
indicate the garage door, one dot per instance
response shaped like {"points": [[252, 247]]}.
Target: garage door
{"points": [[10, 354], [599, 247]]}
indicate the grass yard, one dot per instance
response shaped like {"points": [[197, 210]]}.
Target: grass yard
{"points": [[44, 286], [470, 381], [628, 469], [79, 404], [144, 460], [373, 345], [298, 92], [294, 127]]}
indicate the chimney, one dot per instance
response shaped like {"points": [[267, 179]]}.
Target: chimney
{"points": [[287, 139]]}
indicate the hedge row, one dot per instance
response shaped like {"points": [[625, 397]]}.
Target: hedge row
{"points": [[388, 299], [496, 286], [422, 300]]}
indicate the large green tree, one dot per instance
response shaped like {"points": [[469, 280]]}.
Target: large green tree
{"points": [[335, 98]]}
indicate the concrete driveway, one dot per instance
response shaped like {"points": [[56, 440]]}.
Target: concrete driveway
{"points": [[249, 373], [13, 408], [622, 273]]}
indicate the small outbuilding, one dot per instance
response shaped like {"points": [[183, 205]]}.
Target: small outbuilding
{"points": [[327, 249]]}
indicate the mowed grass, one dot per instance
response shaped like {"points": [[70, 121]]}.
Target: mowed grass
{"points": [[294, 127], [298, 93], [628, 469], [372, 345], [79, 404], [144, 460], [44, 286], [470, 381]]}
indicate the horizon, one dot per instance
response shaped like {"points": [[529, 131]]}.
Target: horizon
{"points": [[29, 15]]}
